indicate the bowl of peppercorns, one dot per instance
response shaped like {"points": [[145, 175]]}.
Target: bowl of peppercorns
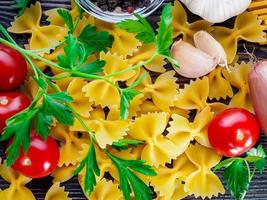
{"points": [[118, 10]]}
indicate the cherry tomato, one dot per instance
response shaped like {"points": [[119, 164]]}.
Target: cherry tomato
{"points": [[10, 104], [13, 68], [233, 132], [41, 158]]}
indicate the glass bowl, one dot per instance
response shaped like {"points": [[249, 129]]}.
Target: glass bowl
{"points": [[113, 17]]}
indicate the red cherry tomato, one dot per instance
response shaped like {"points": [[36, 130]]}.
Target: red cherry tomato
{"points": [[41, 158], [10, 104], [13, 68], [233, 132]]}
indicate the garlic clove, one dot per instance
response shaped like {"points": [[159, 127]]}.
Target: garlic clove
{"points": [[205, 42], [193, 62], [216, 11]]}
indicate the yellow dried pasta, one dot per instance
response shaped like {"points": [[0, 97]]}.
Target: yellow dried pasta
{"points": [[238, 77], [162, 92], [219, 87], [63, 173], [182, 27], [167, 179], [70, 144], [16, 189], [247, 27], [41, 36], [158, 148], [145, 52], [203, 182], [124, 44], [182, 132], [56, 192]]}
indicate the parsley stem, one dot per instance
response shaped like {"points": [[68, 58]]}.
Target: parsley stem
{"points": [[140, 64], [48, 48]]}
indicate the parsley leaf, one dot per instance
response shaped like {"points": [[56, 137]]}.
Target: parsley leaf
{"points": [[92, 169], [127, 96], [129, 181], [258, 157], [19, 128], [22, 5], [65, 14], [237, 179], [97, 41], [76, 53], [56, 105], [94, 67], [142, 28], [126, 143]]}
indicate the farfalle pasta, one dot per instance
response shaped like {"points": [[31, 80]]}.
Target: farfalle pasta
{"points": [[182, 132], [56, 192], [219, 87], [182, 27], [41, 36], [158, 149], [168, 182], [162, 92], [125, 44], [17, 189], [238, 77], [203, 182], [247, 27], [63, 173]]}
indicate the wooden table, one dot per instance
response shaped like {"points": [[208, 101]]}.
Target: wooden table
{"points": [[258, 188]]}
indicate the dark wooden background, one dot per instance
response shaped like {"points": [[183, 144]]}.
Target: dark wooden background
{"points": [[258, 188]]}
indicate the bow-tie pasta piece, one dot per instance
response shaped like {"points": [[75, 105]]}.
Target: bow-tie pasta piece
{"points": [[219, 87], [163, 91], [167, 179], [203, 182], [56, 193], [182, 132], [115, 63], [70, 145], [158, 149], [106, 131], [135, 105], [182, 27], [42, 36], [64, 173], [85, 21], [102, 93], [247, 27], [194, 95], [238, 77], [80, 103], [17, 189], [144, 53], [124, 44]]}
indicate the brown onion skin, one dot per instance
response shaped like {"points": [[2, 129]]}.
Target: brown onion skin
{"points": [[257, 80]]}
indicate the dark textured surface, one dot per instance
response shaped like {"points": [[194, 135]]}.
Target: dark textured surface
{"points": [[258, 188]]}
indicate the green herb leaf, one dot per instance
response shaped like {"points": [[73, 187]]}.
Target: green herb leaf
{"points": [[92, 169], [43, 124], [237, 178], [258, 157], [94, 67], [224, 163], [129, 181], [142, 28], [127, 96], [76, 53], [19, 129], [126, 144], [22, 5], [55, 105], [65, 14], [97, 41]]}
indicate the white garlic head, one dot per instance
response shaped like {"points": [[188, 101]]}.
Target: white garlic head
{"points": [[216, 11]]}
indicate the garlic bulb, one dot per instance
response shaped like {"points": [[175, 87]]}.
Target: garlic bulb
{"points": [[205, 42], [216, 11], [193, 62]]}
